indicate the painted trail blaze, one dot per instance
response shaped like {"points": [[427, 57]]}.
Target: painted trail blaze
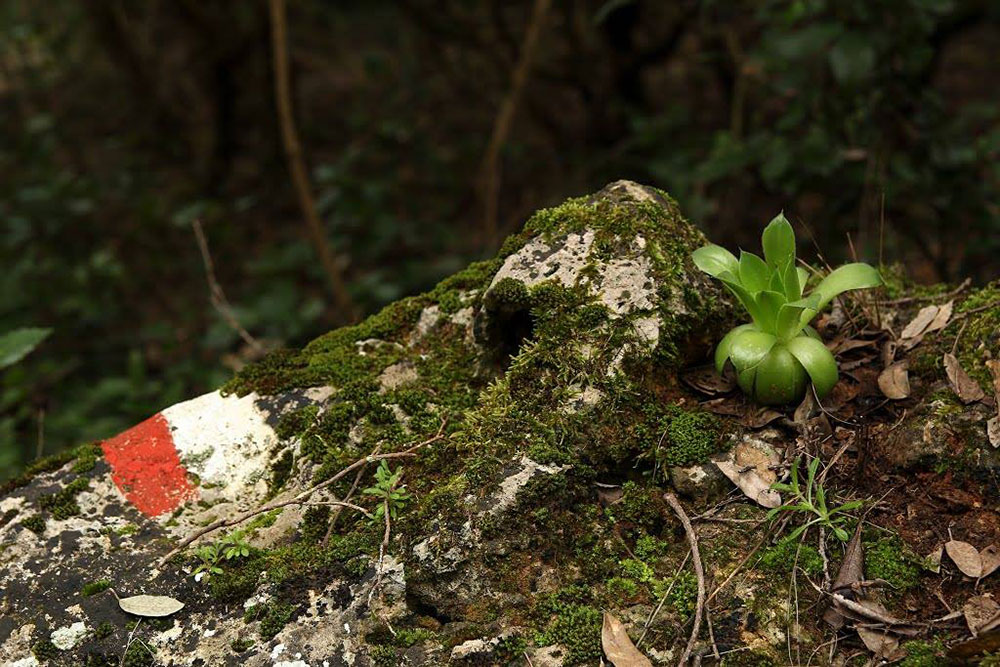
{"points": [[145, 466]]}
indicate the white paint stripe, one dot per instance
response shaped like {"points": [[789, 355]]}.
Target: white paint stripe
{"points": [[225, 440]]}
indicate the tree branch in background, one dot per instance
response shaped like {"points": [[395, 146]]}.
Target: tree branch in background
{"points": [[489, 172], [217, 296], [296, 163]]}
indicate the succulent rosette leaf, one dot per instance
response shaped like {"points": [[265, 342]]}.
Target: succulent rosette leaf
{"points": [[778, 354]]}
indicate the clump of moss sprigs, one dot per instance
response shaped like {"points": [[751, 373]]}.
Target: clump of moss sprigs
{"points": [[35, 523], [242, 644], [640, 506], [104, 630], [280, 471], [981, 329], [407, 637], [86, 458], [139, 654], [782, 556], [890, 559], [683, 595], [572, 624], [95, 587], [383, 655], [920, 653], [44, 650], [273, 616], [62, 503], [334, 359], [691, 437], [54, 462], [314, 523]]}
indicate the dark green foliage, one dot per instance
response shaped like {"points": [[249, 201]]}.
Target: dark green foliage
{"points": [[782, 556], [241, 645], [273, 616], [95, 587], [573, 625], [44, 650], [920, 653], [280, 470], [139, 654], [35, 523], [314, 523], [889, 558], [693, 437], [62, 503]]}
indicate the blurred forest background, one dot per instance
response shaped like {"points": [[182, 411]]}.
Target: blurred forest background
{"points": [[430, 130]]}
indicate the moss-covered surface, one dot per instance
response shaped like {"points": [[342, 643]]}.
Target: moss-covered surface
{"points": [[538, 381]]}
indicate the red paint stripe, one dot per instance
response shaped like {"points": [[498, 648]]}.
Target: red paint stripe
{"points": [[146, 468]]}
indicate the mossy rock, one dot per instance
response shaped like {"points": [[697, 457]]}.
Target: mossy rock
{"points": [[548, 369]]}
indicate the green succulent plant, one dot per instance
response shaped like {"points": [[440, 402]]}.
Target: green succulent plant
{"points": [[777, 354]]}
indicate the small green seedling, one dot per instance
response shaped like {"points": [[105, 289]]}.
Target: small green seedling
{"points": [[209, 555], [778, 352], [385, 489], [233, 545], [813, 501]]}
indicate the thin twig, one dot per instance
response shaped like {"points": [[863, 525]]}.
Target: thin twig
{"points": [[216, 295], [490, 169], [128, 642], [711, 633], [826, 561], [699, 572], [958, 337], [379, 568], [296, 163], [347, 498], [297, 500], [339, 504]]}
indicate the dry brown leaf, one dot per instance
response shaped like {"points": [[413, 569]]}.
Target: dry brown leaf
{"points": [[852, 568], [618, 648], [994, 367], [848, 344], [851, 572], [747, 466], [920, 323], [966, 557], [990, 557], [153, 606], [967, 389], [894, 381], [979, 611], [933, 559], [993, 431], [762, 418], [942, 317], [879, 643], [806, 409], [707, 381]]}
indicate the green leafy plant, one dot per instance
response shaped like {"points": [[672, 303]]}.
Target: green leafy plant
{"points": [[233, 545], [812, 500], [387, 490], [209, 555], [778, 352]]}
